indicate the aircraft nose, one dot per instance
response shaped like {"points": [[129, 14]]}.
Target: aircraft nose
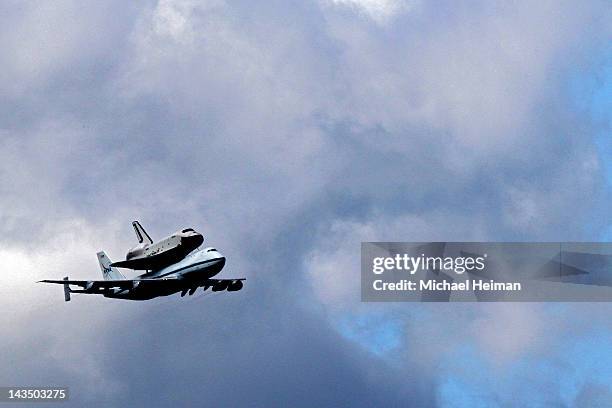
{"points": [[217, 265]]}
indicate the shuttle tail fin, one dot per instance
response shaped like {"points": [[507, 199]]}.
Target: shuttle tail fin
{"points": [[141, 233], [109, 272]]}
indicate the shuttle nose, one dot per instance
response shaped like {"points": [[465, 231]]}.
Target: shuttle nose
{"points": [[192, 241], [196, 239]]}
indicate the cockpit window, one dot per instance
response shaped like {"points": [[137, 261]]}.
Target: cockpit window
{"points": [[188, 230], [210, 249]]}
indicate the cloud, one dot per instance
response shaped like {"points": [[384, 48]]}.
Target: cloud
{"points": [[287, 134], [593, 395], [334, 265], [381, 11]]}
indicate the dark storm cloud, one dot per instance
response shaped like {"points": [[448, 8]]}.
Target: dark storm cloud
{"points": [[286, 132], [258, 351]]}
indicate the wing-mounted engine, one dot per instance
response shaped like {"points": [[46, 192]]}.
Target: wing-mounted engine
{"points": [[149, 255], [219, 285]]}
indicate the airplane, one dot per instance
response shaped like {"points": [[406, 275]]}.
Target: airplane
{"points": [[186, 274]]}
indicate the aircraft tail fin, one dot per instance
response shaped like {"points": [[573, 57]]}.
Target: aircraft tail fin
{"points": [[109, 272], [141, 233]]}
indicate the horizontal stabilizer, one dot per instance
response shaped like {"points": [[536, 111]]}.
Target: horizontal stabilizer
{"points": [[66, 290]]}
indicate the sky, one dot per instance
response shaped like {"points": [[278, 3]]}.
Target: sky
{"points": [[287, 132]]}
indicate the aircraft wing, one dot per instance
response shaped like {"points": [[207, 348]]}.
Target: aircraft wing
{"points": [[118, 285], [97, 285]]}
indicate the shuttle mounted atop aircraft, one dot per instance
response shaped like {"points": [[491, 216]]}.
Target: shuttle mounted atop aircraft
{"points": [[149, 255], [173, 264]]}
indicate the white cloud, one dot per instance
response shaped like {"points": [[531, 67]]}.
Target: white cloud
{"points": [[380, 11], [333, 266], [506, 331], [44, 43]]}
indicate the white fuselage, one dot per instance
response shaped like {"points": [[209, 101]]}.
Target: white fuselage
{"points": [[200, 264]]}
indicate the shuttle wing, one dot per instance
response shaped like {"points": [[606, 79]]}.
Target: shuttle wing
{"points": [[152, 262]]}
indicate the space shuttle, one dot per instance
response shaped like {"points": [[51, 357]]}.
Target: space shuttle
{"points": [[150, 255]]}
